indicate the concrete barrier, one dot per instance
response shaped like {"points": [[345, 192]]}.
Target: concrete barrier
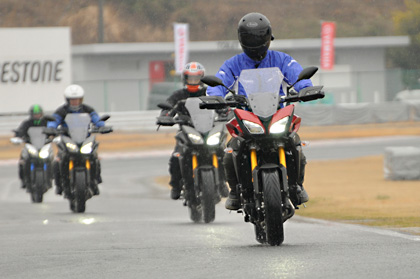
{"points": [[402, 163]]}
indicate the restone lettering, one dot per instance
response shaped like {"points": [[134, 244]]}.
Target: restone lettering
{"points": [[30, 71]]}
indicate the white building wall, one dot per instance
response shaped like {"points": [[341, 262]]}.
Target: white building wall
{"points": [[116, 75]]}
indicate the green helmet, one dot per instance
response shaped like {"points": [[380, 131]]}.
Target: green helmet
{"points": [[36, 112]]}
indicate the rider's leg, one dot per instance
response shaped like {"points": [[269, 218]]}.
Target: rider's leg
{"points": [[21, 166], [302, 194], [223, 189], [176, 176], [95, 175], [57, 176], [232, 202]]}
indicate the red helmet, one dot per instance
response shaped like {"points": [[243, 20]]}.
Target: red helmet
{"points": [[192, 74]]}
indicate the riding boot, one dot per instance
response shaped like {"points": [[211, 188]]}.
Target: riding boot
{"points": [[233, 202], [176, 188]]}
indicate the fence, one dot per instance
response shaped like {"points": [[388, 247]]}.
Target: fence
{"points": [[312, 115]]}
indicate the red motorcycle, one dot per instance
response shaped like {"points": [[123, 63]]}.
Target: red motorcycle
{"points": [[265, 155]]}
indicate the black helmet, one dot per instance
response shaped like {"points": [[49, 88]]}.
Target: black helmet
{"points": [[254, 33]]}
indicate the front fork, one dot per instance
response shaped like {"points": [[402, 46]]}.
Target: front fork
{"points": [[254, 164], [215, 164], [71, 168], [254, 159], [195, 162]]}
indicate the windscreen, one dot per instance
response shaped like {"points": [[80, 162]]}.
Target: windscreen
{"points": [[202, 119], [262, 87], [37, 137], [78, 124]]}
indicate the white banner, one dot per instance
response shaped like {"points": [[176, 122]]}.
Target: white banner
{"points": [[181, 46], [35, 67]]}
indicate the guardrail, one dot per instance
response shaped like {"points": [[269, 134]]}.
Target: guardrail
{"points": [[136, 121], [312, 115]]}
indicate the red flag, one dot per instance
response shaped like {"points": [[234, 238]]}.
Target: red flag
{"points": [[327, 45]]}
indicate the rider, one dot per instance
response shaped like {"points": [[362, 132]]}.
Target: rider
{"points": [[193, 87], [35, 120], [73, 95], [255, 36]]}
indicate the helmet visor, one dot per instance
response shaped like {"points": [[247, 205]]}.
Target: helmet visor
{"points": [[254, 39], [193, 80], [37, 115]]}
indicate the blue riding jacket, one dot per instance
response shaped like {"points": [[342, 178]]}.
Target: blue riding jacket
{"points": [[230, 71]]}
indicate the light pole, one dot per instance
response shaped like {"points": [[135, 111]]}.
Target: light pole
{"points": [[100, 21]]}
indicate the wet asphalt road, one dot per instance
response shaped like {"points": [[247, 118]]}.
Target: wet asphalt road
{"points": [[133, 230]]}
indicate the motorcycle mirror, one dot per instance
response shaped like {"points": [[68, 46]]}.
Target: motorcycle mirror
{"points": [[16, 140], [165, 106], [104, 117], [306, 73], [214, 81]]}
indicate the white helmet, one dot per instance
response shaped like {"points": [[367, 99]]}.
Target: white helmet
{"points": [[74, 91]]}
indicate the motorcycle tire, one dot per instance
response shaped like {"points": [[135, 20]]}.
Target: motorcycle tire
{"points": [[37, 192], [208, 193], [272, 207], [80, 188]]}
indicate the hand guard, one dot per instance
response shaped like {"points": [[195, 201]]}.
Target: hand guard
{"points": [[50, 131], [105, 129]]}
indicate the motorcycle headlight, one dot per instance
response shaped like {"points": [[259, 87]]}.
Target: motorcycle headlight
{"points": [[196, 139], [214, 139], [279, 126], [87, 148], [71, 147], [253, 128], [45, 151], [31, 149]]}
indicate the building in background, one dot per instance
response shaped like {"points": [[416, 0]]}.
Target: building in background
{"points": [[135, 76], [35, 67]]}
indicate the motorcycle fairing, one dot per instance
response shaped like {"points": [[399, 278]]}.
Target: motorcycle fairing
{"points": [[262, 87], [280, 114], [233, 128], [295, 123], [202, 119], [242, 115], [199, 140], [78, 125], [36, 137]]}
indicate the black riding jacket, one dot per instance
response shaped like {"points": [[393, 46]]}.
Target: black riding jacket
{"points": [[182, 94], [22, 130]]}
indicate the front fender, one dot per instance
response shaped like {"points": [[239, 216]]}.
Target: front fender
{"points": [[197, 176], [256, 175]]}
